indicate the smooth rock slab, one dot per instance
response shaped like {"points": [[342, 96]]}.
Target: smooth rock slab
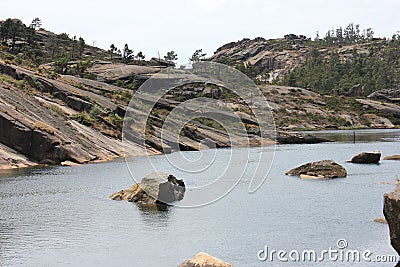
{"points": [[155, 188], [319, 170], [204, 260], [367, 157]]}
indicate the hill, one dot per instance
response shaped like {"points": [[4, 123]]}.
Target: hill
{"points": [[331, 65], [63, 101]]}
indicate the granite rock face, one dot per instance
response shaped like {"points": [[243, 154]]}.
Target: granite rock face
{"points": [[391, 211], [320, 169]]}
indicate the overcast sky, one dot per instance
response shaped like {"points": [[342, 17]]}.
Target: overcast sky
{"points": [[154, 26]]}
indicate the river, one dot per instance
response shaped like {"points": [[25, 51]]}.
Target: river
{"points": [[62, 216]]}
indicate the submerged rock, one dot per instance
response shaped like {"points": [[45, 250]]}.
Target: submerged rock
{"points": [[394, 157], [320, 169], [155, 188], [204, 260], [367, 157], [391, 211]]}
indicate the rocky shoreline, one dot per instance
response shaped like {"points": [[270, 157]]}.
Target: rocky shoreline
{"points": [[67, 120]]}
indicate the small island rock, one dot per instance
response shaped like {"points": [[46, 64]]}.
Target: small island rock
{"points": [[320, 169], [367, 157], [204, 260], [155, 188]]}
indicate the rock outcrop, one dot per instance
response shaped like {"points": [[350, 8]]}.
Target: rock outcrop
{"points": [[356, 90], [155, 188], [392, 95], [367, 157], [298, 138], [391, 211], [393, 157], [320, 169], [388, 108], [204, 260], [378, 122]]}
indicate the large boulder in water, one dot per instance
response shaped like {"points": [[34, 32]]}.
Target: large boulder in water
{"points": [[155, 188], [320, 169], [391, 211], [204, 260], [299, 138], [367, 157]]}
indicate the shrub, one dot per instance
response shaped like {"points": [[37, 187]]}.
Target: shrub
{"points": [[83, 118]]}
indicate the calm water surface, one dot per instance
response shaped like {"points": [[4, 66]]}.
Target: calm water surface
{"points": [[62, 216]]}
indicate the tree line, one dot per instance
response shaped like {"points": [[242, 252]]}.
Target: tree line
{"points": [[378, 69]]}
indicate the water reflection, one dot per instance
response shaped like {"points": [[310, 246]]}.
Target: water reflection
{"points": [[155, 214], [360, 135], [30, 171]]}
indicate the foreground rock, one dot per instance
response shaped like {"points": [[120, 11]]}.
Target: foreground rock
{"points": [[391, 211], [367, 157], [155, 188], [298, 138], [394, 157], [204, 260], [320, 169]]}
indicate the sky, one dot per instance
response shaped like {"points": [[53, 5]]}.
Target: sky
{"points": [[158, 26]]}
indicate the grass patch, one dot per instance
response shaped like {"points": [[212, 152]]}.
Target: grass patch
{"points": [[39, 125]]}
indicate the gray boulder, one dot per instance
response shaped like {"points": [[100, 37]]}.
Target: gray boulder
{"points": [[155, 188], [367, 157], [320, 169]]}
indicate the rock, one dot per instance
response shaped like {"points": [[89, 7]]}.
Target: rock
{"points": [[298, 138], [392, 95], [69, 163], [391, 211], [367, 157], [111, 72], [319, 169], [356, 90], [388, 108], [78, 104], [204, 260], [394, 157], [380, 220], [162, 62], [155, 188], [378, 122]]}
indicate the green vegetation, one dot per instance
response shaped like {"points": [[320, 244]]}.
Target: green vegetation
{"points": [[171, 56], [84, 118], [197, 56], [374, 71]]}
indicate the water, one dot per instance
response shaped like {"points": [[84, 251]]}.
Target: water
{"points": [[62, 216]]}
